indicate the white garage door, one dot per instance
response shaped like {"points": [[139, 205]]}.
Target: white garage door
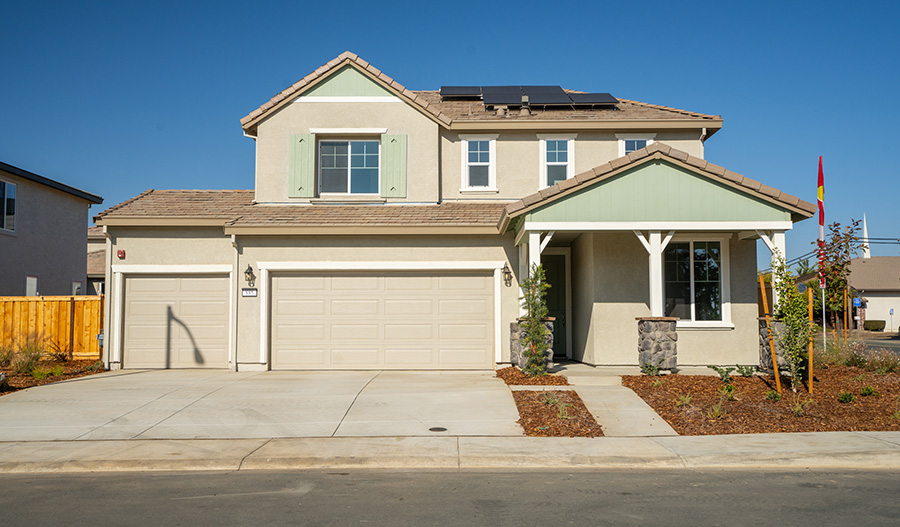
{"points": [[390, 320], [176, 322]]}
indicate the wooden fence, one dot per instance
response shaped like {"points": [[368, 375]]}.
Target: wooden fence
{"points": [[65, 322]]}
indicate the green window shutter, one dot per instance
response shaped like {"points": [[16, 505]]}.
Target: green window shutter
{"points": [[393, 166], [302, 180]]}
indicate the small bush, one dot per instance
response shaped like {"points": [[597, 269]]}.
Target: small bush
{"points": [[846, 397], [26, 356], [772, 395], [883, 361], [56, 370], [798, 405], [95, 366], [60, 353], [896, 414], [657, 383], [550, 399], [683, 399], [6, 355], [745, 371], [724, 373], [716, 411], [40, 374], [726, 391], [874, 325], [867, 391], [562, 411], [650, 369]]}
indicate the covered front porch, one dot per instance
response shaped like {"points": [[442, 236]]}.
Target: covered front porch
{"points": [[653, 235]]}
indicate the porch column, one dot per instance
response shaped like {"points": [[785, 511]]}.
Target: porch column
{"points": [[655, 246], [534, 250], [776, 243]]}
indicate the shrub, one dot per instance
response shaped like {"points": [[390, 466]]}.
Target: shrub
{"points": [[726, 391], [867, 391], [716, 411], [650, 369], [798, 405], [658, 382], [874, 325], [40, 374], [724, 373], [846, 397], [683, 400], [60, 353], [533, 301], [95, 366], [855, 354], [792, 311], [6, 355], [883, 361], [745, 371], [772, 395], [27, 355], [550, 398]]}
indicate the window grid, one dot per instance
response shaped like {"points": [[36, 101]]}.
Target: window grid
{"points": [[557, 161], [349, 167], [632, 145], [693, 275], [479, 161]]}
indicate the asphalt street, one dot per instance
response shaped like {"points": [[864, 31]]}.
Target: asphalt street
{"points": [[495, 498]]}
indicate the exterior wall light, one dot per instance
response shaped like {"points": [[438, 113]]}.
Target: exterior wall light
{"points": [[507, 275], [249, 276]]}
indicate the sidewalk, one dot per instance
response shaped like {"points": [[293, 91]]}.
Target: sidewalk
{"points": [[821, 450]]}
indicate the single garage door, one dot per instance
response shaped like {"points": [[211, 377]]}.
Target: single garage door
{"points": [[390, 320], [176, 322]]}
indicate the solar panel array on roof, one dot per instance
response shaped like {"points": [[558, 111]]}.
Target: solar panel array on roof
{"points": [[460, 91], [536, 96]]}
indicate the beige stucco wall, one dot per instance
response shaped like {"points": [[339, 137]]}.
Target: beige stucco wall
{"points": [[518, 159], [273, 155], [610, 273], [50, 240], [879, 307]]}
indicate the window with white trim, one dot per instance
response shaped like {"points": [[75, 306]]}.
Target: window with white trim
{"points": [[557, 159], [693, 280], [479, 163], [349, 166], [7, 206], [629, 143]]}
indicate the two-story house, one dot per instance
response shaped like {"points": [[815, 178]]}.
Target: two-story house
{"points": [[43, 234], [390, 229]]}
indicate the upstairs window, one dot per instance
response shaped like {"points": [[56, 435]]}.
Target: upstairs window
{"points": [[479, 163], [349, 167], [7, 206], [629, 143], [557, 163]]}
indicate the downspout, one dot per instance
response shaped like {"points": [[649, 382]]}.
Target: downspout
{"points": [[235, 287], [702, 143], [107, 282]]}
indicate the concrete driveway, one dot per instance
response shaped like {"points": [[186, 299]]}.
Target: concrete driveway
{"points": [[193, 404]]}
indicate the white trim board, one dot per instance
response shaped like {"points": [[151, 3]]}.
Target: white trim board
{"points": [[562, 226], [348, 130], [171, 269]]}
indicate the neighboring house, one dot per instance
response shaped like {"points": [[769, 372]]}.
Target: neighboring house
{"points": [[96, 260], [877, 281], [391, 228], [43, 234]]}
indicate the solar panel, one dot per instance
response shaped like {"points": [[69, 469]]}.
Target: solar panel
{"points": [[460, 91], [593, 98], [546, 95], [493, 95]]}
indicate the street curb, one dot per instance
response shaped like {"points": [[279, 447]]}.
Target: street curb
{"points": [[816, 450]]}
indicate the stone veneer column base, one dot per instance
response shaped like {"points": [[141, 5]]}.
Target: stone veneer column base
{"points": [[658, 342]]}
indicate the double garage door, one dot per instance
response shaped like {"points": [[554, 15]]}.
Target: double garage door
{"points": [[385, 320], [176, 322], [390, 320]]}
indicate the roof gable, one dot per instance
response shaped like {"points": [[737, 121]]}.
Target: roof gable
{"points": [[347, 81], [660, 181]]}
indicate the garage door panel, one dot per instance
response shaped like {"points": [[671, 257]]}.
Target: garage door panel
{"points": [[176, 322], [393, 320]]}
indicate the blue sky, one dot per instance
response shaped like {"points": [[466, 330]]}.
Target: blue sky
{"points": [[119, 97]]}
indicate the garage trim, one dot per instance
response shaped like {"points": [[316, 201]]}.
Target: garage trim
{"points": [[118, 309], [266, 267]]}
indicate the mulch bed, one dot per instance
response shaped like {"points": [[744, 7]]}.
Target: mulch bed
{"points": [[515, 376], [71, 370], [752, 413], [539, 414]]}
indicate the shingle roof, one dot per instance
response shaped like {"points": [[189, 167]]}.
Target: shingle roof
{"points": [[446, 112], [879, 273], [96, 263], [236, 208], [603, 171]]}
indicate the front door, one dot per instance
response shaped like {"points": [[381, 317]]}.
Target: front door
{"points": [[555, 271]]}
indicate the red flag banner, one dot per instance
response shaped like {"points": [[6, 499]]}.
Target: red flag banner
{"points": [[820, 193]]}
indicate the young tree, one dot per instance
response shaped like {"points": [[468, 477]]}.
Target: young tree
{"points": [[534, 290], [792, 312], [841, 246]]}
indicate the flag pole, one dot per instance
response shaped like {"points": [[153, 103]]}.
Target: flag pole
{"points": [[820, 195]]}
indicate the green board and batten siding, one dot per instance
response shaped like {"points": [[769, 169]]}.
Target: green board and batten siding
{"points": [[393, 165], [302, 178], [658, 191], [347, 82]]}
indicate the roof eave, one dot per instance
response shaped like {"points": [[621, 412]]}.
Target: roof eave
{"points": [[711, 125]]}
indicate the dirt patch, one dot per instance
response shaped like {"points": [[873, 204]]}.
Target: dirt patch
{"points": [[687, 403], [515, 376], [555, 413], [70, 370]]}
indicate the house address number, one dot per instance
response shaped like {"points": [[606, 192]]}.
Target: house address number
{"points": [[248, 291]]}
